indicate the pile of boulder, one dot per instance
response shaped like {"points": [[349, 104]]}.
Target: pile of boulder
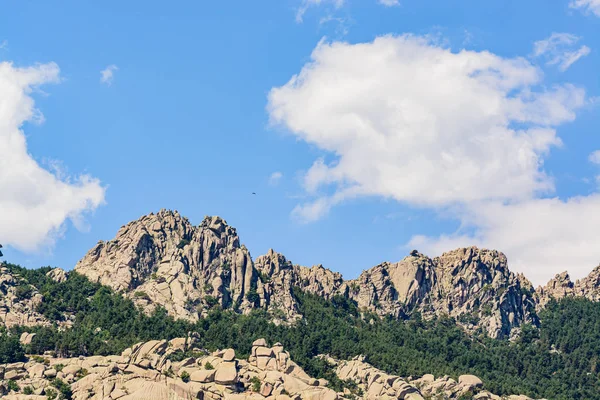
{"points": [[149, 371], [176, 369]]}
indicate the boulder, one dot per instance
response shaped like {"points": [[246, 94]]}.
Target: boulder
{"points": [[470, 381]]}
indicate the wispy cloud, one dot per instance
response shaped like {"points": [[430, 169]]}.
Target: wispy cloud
{"points": [[594, 157], [275, 178], [107, 74], [389, 3], [560, 49], [304, 6], [4, 44], [592, 6]]}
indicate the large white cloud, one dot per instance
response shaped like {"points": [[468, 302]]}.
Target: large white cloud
{"points": [[592, 6], [412, 121], [34, 202]]}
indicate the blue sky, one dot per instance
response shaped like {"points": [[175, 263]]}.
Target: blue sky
{"points": [[391, 138]]}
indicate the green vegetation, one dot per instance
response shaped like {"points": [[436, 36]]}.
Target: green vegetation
{"points": [[185, 376], [12, 386], [255, 384], [51, 394], [63, 388], [182, 243], [335, 327]]}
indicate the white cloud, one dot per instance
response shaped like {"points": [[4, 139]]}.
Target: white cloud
{"points": [[560, 49], [595, 157], [107, 74], [540, 237], [275, 178], [592, 6], [4, 44], [389, 3], [410, 120], [35, 202]]}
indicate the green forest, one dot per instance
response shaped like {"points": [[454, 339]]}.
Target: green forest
{"points": [[558, 360]]}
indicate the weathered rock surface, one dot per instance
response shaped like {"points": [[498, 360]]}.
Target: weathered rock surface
{"points": [[279, 276], [18, 301], [162, 259], [561, 286], [146, 371], [473, 285]]}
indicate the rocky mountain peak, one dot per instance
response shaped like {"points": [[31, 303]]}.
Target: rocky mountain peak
{"points": [[162, 259]]}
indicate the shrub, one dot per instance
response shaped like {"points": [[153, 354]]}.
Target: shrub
{"points": [[23, 292], [27, 390], [185, 376], [12, 386], [255, 383], [211, 301], [208, 365], [141, 295], [253, 297], [182, 243], [51, 394], [81, 373], [63, 388]]}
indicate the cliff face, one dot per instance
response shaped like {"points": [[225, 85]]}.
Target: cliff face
{"points": [[473, 285], [162, 259]]}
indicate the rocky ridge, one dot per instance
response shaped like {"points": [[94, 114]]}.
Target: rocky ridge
{"points": [[150, 370], [561, 286], [163, 260], [473, 285]]}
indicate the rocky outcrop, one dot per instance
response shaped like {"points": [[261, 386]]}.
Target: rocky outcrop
{"points": [[561, 286], [149, 371], [18, 301], [162, 259], [57, 274], [472, 285], [278, 276]]}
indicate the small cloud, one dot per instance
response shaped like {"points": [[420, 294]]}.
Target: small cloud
{"points": [[275, 178], [4, 44], [592, 6], [560, 49], [595, 157], [107, 74], [342, 24], [389, 3], [308, 3]]}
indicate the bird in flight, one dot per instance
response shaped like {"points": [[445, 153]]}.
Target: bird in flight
{"points": [[253, 193]]}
